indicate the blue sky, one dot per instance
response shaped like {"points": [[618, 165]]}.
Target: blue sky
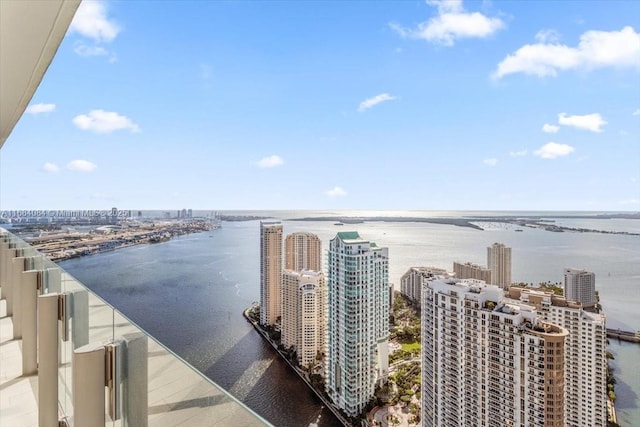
{"points": [[505, 105]]}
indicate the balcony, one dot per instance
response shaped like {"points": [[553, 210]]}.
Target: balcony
{"points": [[56, 335]]}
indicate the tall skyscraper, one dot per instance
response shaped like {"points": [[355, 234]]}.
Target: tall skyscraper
{"points": [[303, 252], [487, 361], [468, 270], [270, 272], [304, 299], [585, 350], [358, 330], [580, 285], [499, 262], [304, 314], [411, 281]]}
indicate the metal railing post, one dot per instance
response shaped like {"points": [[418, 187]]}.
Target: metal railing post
{"points": [[136, 381], [7, 272], [17, 267], [29, 290], [48, 345], [88, 381]]}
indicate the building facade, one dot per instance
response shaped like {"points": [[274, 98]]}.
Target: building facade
{"points": [[488, 362], [358, 320], [586, 359], [580, 286], [270, 272], [304, 314], [499, 262], [303, 251], [411, 281], [469, 270]]}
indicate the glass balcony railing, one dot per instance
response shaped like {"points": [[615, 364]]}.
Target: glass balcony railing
{"points": [[145, 384]]}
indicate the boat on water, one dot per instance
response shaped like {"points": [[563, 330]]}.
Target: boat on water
{"points": [[338, 223], [518, 229]]}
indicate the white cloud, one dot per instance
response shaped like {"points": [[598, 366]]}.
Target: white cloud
{"points": [[40, 108], [270, 161], [446, 5], [520, 153], [551, 150], [336, 192], [84, 50], [371, 102], [592, 122], [490, 162], [91, 21], [81, 166], [547, 36], [101, 121], [50, 167], [636, 113], [451, 24], [550, 128], [596, 49]]}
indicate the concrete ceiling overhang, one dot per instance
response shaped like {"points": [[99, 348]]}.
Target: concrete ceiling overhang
{"points": [[30, 33]]}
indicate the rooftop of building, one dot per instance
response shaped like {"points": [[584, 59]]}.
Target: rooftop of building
{"points": [[346, 236]]}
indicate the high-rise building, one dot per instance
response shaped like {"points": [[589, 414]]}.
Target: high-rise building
{"points": [[304, 314], [585, 350], [487, 361], [411, 281], [270, 272], [580, 286], [303, 251], [469, 270], [358, 320], [499, 262]]}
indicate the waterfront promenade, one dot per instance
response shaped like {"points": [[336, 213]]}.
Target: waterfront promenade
{"points": [[302, 374]]}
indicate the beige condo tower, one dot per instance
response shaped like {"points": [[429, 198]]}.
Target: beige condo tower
{"points": [[303, 252], [499, 262], [304, 299], [304, 314], [270, 272], [488, 361]]}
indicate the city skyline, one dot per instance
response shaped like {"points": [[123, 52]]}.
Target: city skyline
{"points": [[474, 353], [244, 96]]}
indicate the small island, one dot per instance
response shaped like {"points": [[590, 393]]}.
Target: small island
{"points": [[529, 221]]}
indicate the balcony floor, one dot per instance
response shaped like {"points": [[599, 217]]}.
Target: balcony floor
{"points": [[18, 394]]}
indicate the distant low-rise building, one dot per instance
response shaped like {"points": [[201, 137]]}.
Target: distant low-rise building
{"points": [[411, 281], [469, 270], [580, 285]]}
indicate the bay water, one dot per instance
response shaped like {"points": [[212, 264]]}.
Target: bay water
{"points": [[190, 292]]}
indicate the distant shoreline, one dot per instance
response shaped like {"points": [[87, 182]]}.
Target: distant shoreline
{"points": [[531, 221]]}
